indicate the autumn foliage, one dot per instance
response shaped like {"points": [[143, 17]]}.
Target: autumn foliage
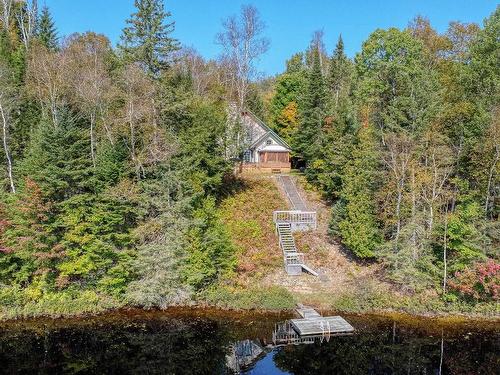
{"points": [[479, 282]]}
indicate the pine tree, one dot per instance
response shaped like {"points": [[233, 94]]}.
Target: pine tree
{"points": [[307, 140], [147, 38], [211, 254], [336, 147], [26, 246], [47, 32], [359, 228], [338, 130], [57, 159], [96, 240], [339, 77]]}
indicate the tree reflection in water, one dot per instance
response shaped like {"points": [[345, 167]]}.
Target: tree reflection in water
{"points": [[160, 344]]}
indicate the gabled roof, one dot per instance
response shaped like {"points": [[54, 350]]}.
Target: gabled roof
{"points": [[268, 130]]}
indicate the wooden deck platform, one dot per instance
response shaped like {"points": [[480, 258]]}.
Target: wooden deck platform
{"points": [[320, 325]]}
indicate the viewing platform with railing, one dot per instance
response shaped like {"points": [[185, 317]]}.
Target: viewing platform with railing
{"points": [[299, 220]]}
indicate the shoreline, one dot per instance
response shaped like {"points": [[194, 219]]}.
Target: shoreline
{"points": [[208, 310]]}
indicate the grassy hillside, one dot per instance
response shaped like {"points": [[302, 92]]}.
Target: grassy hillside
{"points": [[345, 283]]}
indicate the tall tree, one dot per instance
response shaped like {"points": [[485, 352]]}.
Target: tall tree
{"points": [[7, 107], [147, 38], [89, 80], [335, 150], [284, 105], [339, 76], [339, 126], [47, 80], [242, 45], [313, 112], [47, 32], [359, 228], [137, 116], [27, 20], [6, 8]]}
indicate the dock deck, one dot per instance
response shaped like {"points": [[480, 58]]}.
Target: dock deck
{"points": [[311, 328], [320, 325]]}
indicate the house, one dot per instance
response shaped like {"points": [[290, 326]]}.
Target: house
{"points": [[264, 149]]}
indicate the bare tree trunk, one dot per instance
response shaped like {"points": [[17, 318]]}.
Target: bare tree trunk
{"points": [[413, 212], [445, 249], [109, 135], [6, 148], [431, 218], [27, 25], [490, 178], [53, 111], [92, 140], [442, 352], [398, 212], [131, 124], [6, 7]]}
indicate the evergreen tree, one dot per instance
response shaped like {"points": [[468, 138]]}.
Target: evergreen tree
{"points": [[57, 159], [307, 139], [26, 246], [210, 252], [201, 158], [147, 39], [295, 64], [359, 228], [339, 76], [254, 102], [338, 130], [335, 150], [96, 240], [47, 32]]}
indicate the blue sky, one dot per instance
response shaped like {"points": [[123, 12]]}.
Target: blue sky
{"points": [[289, 23]]}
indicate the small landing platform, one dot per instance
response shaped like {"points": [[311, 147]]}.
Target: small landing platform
{"points": [[307, 312], [321, 325]]}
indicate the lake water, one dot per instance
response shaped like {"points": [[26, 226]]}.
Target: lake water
{"points": [[217, 342]]}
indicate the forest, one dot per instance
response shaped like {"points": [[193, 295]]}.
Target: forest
{"points": [[115, 159]]}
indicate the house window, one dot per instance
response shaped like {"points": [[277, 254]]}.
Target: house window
{"points": [[269, 142]]}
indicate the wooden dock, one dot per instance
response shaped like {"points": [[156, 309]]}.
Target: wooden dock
{"points": [[310, 328], [312, 323], [321, 325]]}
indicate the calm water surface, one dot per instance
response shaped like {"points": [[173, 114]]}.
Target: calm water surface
{"points": [[214, 342]]}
